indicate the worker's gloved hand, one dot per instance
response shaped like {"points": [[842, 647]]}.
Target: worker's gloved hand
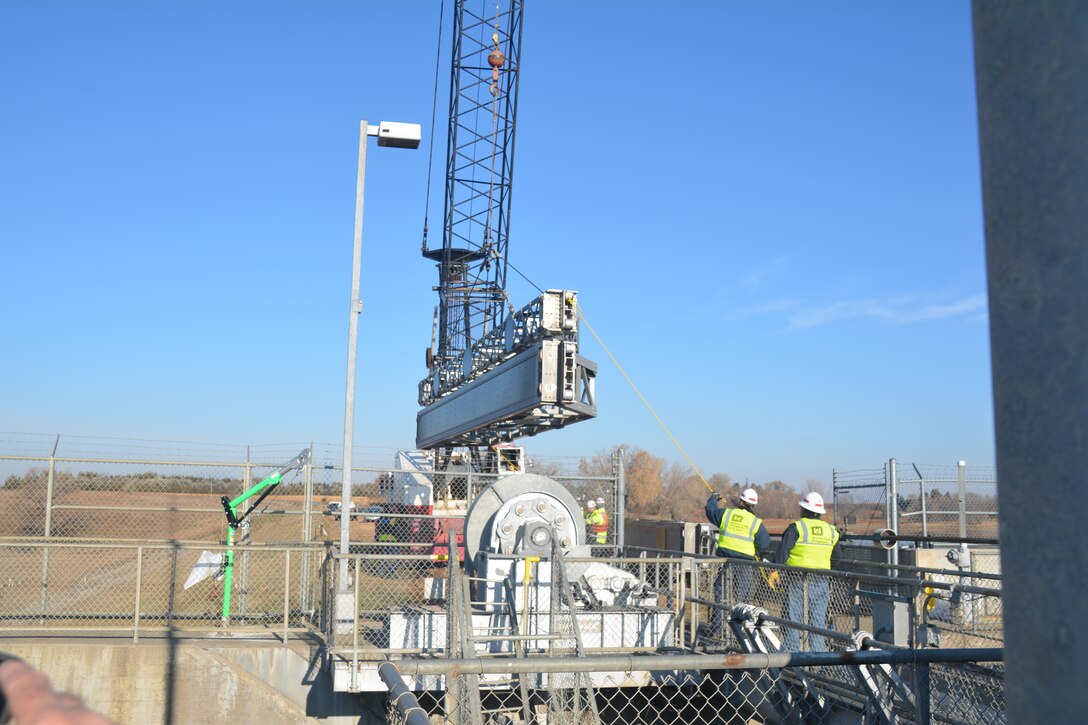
{"points": [[774, 578]]}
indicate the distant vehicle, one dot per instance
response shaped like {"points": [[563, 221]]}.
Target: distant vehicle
{"points": [[333, 509], [372, 513]]}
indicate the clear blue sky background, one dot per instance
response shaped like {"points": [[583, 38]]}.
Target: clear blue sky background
{"points": [[771, 211]]}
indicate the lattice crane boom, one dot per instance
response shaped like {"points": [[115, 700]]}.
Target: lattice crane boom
{"points": [[495, 373]]}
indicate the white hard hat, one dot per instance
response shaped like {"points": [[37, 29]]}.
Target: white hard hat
{"points": [[813, 502], [600, 502], [591, 504], [749, 495]]}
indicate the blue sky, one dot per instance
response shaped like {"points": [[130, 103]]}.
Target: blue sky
{"points": [[771, 211]]}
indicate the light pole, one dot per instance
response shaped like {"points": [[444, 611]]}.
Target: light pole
{"points": [[396, 135]]}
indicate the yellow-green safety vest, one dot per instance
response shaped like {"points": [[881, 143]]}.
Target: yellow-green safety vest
{"points": [[597, 523], [738, 531], [815, 540]]}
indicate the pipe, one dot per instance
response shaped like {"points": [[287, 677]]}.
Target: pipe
{"points": [[406, 703], [923, 539], [657, 663]]}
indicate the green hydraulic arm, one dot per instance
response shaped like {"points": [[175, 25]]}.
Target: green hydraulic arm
{"points": [[234, 520]]}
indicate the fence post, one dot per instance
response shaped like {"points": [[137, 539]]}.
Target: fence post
{"points": [[286, 592], [308, 497], [835, 499], [922, 492], [620, 470], [893, 508], [922, 692], [307, 528], [48, 531], [693, 609], [49, 489], [139, 582], [961, 479], [244, 594]]}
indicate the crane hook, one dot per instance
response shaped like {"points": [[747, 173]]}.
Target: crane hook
{"points": [[495, 59]]}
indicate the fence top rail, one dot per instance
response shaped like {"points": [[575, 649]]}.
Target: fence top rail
{"points": [[378, 556], [384, 546], [141, 462], [670, 552], [878, 537], [130, 544], [273, 464], [927, 570]]}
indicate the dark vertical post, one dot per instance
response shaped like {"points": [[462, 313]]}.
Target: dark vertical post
{"points": [[1031, 63]]}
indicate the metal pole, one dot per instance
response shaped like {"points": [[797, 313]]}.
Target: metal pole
{"points": [[49, 489], [922, 492], [893, 508], [696, 572], [139, 584], [1031, 72], [355, 630], [835, 500], [48, 527], [308, 498], [621, 498], [307, 528], [961, 479], [286, 592], [355, 306], [922, 692], [670, 662], [243, 598]]}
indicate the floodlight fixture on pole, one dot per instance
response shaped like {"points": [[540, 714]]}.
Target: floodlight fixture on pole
{"points": [[395, 135]]}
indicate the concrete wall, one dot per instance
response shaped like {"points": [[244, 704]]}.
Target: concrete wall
{"points": [[212, 682]]}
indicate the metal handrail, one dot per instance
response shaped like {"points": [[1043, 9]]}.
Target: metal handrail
{"points": [[837, 574], [673, 662]]}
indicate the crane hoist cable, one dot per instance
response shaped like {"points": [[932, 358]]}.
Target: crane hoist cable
{"points": [[582, 317], [434, 108], [496, 58]]}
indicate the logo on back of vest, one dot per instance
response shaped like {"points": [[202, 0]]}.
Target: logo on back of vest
{"points": [[737, 518], [817, 530]]}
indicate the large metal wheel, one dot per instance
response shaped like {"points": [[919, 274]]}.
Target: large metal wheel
{"points": [[516, 502]]}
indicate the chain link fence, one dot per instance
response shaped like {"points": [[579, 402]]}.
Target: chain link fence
{"points": [[918, 500], [119, 489], [144, 589], [106, 542], [478, 667], [744, 689]]}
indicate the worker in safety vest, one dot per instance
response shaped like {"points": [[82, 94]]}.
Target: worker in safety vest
{"points": [[603, 510], [808, 543], [741, 535], [596, 523]]}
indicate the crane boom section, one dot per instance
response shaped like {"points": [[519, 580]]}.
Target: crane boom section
{"points": [[472, 262]]}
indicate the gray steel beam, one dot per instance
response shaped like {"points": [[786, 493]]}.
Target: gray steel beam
{"points": [[523, 394], [1031, 63]]}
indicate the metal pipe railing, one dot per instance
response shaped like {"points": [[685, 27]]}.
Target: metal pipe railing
{"points": [[928, 570], [764, 616], [878, 538], [672, 662], [871, 578], [403, 699]]}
